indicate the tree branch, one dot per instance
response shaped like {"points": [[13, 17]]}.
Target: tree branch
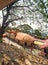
{"points": [[43, 5], [7, 23], [21, 6], [7, 14]]}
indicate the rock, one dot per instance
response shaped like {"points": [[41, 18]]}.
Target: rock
{"points": [[4, 61], [27, 62], [6, 57]]}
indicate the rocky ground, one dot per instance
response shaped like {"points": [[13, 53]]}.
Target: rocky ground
{"points": [[11, 55]]}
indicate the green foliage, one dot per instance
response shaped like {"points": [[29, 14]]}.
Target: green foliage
{"points": [[25, 28], [0, 40], [42, 6], [35, 1], [17, 30], [8, 28], [37, 32], [44, 35]]}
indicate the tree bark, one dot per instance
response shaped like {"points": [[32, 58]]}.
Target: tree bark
{"points": [[1, 31]]}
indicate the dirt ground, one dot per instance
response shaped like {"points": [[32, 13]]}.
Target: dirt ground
{"points": [[11, 55]]}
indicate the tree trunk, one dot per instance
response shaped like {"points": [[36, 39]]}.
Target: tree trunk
{"points": [[1, 31], [1, 34]]}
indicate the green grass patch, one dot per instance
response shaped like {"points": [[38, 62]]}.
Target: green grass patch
{"points": [[0, 40]]}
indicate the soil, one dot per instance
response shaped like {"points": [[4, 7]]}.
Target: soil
{"points": [[11, 55]]}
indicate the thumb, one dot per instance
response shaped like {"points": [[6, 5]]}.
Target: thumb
{"points": [[44, 46]]}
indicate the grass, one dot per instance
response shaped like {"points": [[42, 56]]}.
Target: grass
{"points": [[0, 40]]}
